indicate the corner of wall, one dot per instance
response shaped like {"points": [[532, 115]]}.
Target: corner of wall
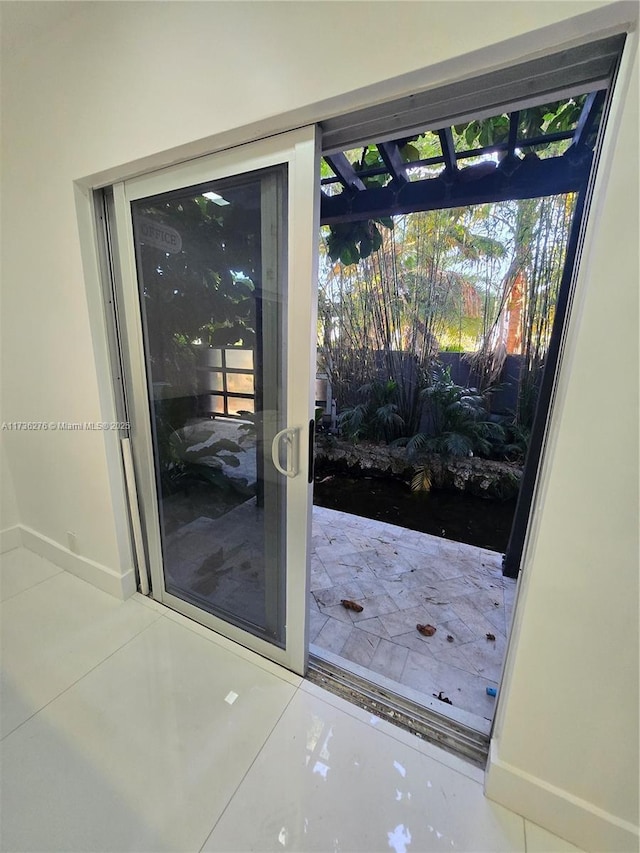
{"points": [[119, 585], [569, 817], [9, 515]]}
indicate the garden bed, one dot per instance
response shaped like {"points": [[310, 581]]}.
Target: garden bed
{"points": [[484, 478]]}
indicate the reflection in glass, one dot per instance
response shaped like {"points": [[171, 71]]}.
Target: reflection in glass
{"points": [[212, 298]]}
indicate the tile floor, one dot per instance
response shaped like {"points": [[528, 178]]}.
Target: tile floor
{"points": [[402, 578], [130, 728]]}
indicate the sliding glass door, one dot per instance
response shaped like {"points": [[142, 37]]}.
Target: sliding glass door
{"points": [[218, 286]]}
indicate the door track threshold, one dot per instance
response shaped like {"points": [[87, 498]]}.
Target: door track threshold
{"points": [[451, 735]]}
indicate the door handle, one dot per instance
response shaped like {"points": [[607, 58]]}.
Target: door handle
{"points": [[289, 436], [312, 449]]}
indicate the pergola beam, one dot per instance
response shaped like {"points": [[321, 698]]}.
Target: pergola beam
{"points": [[345, 171], [448, 151], [543, 139], [533, 178], [587, 118], [390, 154], [514, 120]]}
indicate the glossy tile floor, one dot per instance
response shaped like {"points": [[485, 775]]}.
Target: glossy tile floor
{"points": [[128, 728], [399, 577], [402, 578]]}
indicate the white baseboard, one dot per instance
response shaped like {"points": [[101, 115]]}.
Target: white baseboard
{"points": [[578, 821], [102, 577], [10, 538]]}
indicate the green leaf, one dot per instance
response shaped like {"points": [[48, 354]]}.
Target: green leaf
{"points": [[371, 157], [325, 170], [471, 133], [416, 443], [366, 246], [499, 129], [457, 444], [409, 153], [349, 255]]}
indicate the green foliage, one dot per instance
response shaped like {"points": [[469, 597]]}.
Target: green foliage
{"points": [[460, 421], [481, 280], [533, 122], [482, 134], [182, 467], [516, 442], [551, 118], [427, 145], [376, 418], [203, 295], [371, 159], [399, 306], [351, 242], [205, 292]]}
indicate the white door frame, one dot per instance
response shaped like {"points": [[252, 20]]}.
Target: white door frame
{"points": [[299, 150]]}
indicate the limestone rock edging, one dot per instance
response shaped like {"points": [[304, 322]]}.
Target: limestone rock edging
{"points": [[481, 477]]}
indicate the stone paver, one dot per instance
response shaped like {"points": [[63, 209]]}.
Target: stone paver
{"points": [[402, 578]]}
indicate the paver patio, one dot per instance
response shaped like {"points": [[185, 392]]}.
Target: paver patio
{"points": [[402, 578]]}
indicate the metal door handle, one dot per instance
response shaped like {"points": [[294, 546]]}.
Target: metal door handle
{"points": [[312, 450], [290, 437]]}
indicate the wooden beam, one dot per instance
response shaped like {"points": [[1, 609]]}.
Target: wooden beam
{"points": [[511, 162], [393, 161], [345, 171], [514, 120], [588, 115], [448, 151], [463, 155], [532, 179]]}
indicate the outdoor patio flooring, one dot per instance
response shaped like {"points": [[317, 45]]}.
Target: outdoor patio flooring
{"points": [[402, 578]]}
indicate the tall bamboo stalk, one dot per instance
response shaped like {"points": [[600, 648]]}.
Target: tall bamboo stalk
{"points": [[384, 317]]}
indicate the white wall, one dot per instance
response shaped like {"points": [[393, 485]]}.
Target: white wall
{"points": [[108, 83], [9, 515], [569, 718]]}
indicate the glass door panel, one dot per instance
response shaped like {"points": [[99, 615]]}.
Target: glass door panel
{"points": [[212, 296], [218, 425]]}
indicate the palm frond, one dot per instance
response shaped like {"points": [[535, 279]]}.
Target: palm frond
{"points": [[421, 480], [457, 444], [416, 443]]}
